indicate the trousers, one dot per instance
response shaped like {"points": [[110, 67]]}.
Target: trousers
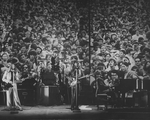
{"points": [[16, 101]]}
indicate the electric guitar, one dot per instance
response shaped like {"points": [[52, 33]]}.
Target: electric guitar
{"points": [[6, 86], [73, 81]]}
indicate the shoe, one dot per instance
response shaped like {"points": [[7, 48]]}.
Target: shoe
{"points": [[19, 108]]}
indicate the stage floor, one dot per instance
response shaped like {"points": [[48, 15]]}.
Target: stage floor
{"points": [[88, 112]]}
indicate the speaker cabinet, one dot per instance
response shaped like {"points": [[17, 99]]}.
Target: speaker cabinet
{"points": [[27, 97], [146, 84], [142, 99], [50, 95], [2, 98]]}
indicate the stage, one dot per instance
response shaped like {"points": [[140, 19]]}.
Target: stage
{"points": [[88, 112]]}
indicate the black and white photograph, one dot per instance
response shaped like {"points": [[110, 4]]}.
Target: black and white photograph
{"points": [[74, 59]]}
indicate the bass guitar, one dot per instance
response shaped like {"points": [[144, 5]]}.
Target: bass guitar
{"points": [[6, 86], [73, 81]]}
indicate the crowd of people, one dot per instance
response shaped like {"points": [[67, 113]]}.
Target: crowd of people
{"points": [[52, 35], [120, 44], [120, 36]]}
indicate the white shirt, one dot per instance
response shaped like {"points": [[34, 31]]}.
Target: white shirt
{"points": [[7, 77]]}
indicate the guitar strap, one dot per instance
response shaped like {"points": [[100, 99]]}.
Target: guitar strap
{"points": [[11, 76]]}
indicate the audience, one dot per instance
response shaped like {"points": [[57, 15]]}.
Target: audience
{"points": [[54, 31]]}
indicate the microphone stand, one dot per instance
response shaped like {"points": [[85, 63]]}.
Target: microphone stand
{"points": [[76, 109], [13, 110]]}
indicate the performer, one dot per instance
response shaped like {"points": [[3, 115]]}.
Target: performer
{"points": [[11, 76], [64, 76], [107, 85], [5, 57], [48, 77], [113, 83], [28, 77], [75, 74]]}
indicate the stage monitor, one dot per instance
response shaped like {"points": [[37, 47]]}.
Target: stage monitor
{"points": [[127, 85], [146, 85]]}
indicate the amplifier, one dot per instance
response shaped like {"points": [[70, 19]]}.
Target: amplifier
{"points": [[27, 97], [142, 99], [50, 95], [145, 85], [2, 97]]}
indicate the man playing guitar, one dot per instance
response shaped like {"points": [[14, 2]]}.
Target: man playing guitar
{"points": [[11, 76], [75, 74]]}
